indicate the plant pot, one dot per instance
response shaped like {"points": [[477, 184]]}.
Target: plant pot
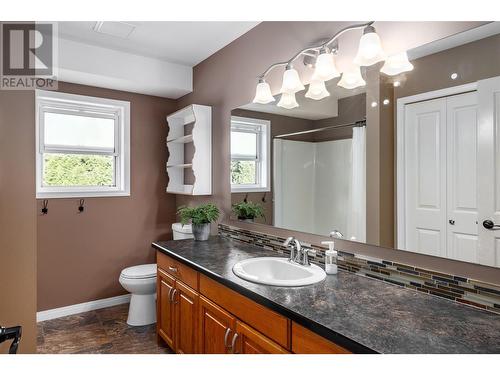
{"points": [[246, 219], [201, 232]]}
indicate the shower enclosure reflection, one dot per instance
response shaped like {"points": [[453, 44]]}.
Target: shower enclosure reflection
{"points": [[306, 166]]}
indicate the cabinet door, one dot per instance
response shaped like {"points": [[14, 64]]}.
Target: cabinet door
{"points": [[165, 308], [249, 341], [186, 318], [216, 328]]}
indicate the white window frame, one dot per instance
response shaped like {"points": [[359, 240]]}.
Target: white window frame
{"points": [[80, 105], [263, 166]]}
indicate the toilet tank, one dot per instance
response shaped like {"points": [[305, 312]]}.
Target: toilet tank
{"points": [[182, 232]]}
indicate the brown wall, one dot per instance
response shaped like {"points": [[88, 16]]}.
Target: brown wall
{"points": [[226, 81], [18, 216], [80, 256], [472, 61]]}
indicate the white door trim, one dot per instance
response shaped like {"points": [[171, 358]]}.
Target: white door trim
{"points": [[82, 307], [400, 153]]}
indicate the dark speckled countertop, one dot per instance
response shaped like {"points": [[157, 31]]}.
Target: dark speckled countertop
{"points": [[362, 314]]}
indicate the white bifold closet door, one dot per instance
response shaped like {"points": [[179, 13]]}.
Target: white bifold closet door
{"points": [[489, 171], [441, 150]]}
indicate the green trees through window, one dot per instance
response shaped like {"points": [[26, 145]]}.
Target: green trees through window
{"points": [[78, 170]]}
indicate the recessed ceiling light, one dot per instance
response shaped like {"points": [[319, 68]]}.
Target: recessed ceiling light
{"points": [[454, 76], [396, 84], [374, 104], [386, 101], [114, 28]]}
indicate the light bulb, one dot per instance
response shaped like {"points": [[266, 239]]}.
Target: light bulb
{"points": [[370, 49], [288, 101], [325, 69], [396, 64], [263, 93], [317, 90], [291, 81], [352, 78]]}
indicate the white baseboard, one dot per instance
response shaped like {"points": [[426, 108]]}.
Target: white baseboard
{"points": [[81, 307]]}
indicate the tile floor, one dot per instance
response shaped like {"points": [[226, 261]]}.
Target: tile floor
{"points": [[99, 331]]}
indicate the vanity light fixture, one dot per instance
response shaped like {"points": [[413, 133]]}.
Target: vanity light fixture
{"points": [[370, 48], [396, 83], [288, 101], [386, 102], [322, 58], [454, 76], [352, 78], [325, 68], [397, 64], [374, 104], [263, 93], [317, 90], [291, 81]]}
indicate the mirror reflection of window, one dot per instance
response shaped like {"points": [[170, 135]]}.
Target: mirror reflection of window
{"points": [[250, 162]]}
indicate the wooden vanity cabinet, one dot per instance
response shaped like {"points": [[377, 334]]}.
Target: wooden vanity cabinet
{"points": [[165, 285], [250, 341], [196, 314], [177, 314], [216, 328]]}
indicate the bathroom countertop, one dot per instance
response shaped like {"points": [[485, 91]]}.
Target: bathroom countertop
{"points": [[361, 314]]}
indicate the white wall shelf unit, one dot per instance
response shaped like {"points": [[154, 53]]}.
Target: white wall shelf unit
{"points": [[189, 144]]}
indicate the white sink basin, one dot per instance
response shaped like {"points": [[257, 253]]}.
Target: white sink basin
{"points": [[278, 272]]}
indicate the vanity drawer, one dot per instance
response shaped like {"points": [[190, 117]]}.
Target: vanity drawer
{"points": [[264, 320], [177, 269], [305, 341]]}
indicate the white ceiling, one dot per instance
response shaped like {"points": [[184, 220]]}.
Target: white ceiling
{"points": [[186, 43]]}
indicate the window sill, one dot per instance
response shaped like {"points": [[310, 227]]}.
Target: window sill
{"points": [[82, 194], [250, 190]]}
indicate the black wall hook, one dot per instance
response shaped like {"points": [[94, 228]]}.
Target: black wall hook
{"points": [[45, 209], [264, 198], [81, 205], [246, 198]]}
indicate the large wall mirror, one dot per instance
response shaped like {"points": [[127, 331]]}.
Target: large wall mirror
{"points": [[438, 130]]}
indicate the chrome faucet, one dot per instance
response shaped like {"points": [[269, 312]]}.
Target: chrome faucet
{"points": [[294, 245], [298, 253], [336, 234]]}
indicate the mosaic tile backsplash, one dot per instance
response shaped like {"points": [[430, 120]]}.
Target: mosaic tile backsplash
{"points": [[457, 288]]}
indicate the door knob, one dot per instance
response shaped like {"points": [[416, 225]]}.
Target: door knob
{"points": [[489, 224], [451, 221]]}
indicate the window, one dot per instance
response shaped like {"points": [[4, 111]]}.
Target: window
{"points": [[83, 146], [250, 154]]}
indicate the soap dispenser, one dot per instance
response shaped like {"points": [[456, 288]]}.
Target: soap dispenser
{"points": [[330, 258]]}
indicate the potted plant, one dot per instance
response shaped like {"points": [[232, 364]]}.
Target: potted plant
{"points": [[248, 211], [200, 217]]}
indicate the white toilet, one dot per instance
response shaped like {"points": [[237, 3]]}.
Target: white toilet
{"points": [[182, 232], [140, 281]]}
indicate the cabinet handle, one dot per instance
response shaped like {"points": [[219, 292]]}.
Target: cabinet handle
{"points": [[174, 292], [233, 342], [228, 331], [173, 269], [170, 294]]}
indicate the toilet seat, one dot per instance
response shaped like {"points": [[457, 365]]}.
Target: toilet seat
{"points": [[143, 271]]}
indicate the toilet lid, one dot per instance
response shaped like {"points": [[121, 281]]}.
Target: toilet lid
{"points": [[142, 271]]}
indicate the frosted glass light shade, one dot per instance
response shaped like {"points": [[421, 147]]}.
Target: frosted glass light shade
{"points": [[288, 101], [370, 50], [263, 93], [396, 64], [291, 82], [317, 90], [325, 68], [352, 78]]}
